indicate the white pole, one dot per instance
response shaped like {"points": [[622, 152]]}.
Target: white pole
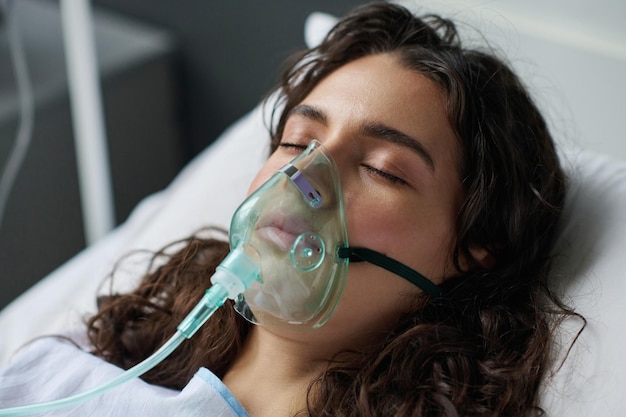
{"points": [[89, 133]]}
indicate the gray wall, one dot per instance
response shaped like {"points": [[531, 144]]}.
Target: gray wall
{"points": [[42, 225]]}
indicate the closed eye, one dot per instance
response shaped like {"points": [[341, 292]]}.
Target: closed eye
{"points": [[292, 145], [384, 175]]}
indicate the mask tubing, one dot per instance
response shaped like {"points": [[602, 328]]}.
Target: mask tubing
{"points": [[213, 299], [232, 277]]}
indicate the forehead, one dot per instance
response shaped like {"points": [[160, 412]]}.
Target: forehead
{"points": [[378, 89]]}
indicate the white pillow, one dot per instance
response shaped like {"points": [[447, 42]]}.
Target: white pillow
{"points": [[590, 273], [316, 26]]}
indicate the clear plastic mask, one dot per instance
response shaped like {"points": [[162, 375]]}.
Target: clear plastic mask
{"points": [[295, 221]]}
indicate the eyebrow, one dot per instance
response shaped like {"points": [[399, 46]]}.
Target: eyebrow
{"points": [[389, 134], [373, 129], [309, 112]]}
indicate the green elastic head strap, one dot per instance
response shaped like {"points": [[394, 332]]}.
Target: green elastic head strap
{"points": [[378, 259]]}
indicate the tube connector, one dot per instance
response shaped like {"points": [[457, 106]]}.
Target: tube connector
{"points": [[231, 278], [238, 270]]}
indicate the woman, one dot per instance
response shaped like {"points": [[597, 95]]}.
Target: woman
{"points": [[447, 167]]}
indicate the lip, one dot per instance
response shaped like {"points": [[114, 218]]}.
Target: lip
{"points": [[281, 231]]}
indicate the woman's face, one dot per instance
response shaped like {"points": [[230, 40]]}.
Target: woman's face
{"points": [[398, 158]]}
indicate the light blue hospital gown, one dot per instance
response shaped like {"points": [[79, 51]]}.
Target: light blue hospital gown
{"points": [[51, 368]]}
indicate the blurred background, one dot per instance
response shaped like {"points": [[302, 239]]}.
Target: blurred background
{"points": [[174, 75]]}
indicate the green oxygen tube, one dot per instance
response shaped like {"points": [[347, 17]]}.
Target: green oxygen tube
{"points": [[238, 270]]}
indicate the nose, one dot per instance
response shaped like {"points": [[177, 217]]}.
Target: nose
{"points": [[336, 147], [342, 153]]}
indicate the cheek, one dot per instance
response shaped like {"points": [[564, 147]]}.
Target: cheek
{"points": [[375, 223], [420, 238]]}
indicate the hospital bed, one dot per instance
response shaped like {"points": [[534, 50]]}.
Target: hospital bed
{"points": [[588, 272]]}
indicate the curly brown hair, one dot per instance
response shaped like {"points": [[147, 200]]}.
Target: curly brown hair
{"points": [[482, 349]]}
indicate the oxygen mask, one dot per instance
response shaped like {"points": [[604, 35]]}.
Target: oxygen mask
{"points": [[295, 222]]}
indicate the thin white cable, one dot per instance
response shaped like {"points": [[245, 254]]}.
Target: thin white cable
{"points": [[26, 110], [92, 156]]}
